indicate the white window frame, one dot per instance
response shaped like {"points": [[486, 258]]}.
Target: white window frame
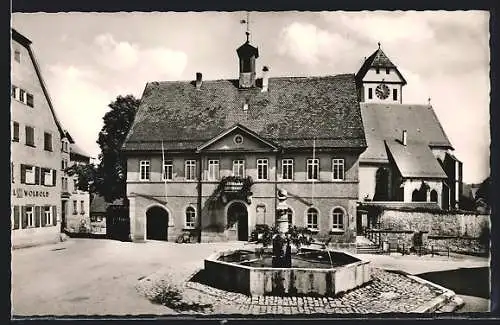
{"points": [[168, 170], [47, 215], [190, 170], [237, 164], [287, 164], [311, 225], [30, 216], [31, 172], [338, 166], [336, 226], [75, 206], [144, 170], [48, 173], [312, 163], [190, 222], [263, 165], [82, 206], [213, 170]]}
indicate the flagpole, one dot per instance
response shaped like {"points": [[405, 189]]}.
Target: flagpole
{"points": [[314, 169], [164, 170]]}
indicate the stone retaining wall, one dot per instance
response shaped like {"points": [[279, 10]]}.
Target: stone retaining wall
{"points": [[458, 231]]}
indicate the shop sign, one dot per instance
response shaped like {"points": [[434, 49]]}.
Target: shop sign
{"points": [[20, 193]]}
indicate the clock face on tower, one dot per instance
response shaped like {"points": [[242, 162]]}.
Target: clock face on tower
{"points": [[382, 91]]}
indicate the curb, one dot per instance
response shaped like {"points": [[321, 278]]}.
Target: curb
{"points": [[439, 301]]}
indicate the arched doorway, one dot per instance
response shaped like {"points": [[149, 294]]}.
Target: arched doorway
{"points": [[237, 214], [157, 223]]}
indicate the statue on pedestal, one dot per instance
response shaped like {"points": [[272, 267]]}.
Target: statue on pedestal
{"points": [[282, 256]]}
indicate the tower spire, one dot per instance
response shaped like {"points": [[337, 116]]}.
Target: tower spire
{"points": [[247, 22]]}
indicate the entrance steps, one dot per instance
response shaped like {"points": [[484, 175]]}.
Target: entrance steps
{"points": [[366, 246]]}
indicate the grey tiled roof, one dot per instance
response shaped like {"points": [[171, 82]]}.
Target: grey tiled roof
{"points": [[387, 122], [415, 160], [291, 113]]}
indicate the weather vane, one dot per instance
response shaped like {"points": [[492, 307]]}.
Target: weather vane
{"points": [[247, 22]]}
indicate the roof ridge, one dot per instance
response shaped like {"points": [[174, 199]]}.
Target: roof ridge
{"points": [[276, 77]]}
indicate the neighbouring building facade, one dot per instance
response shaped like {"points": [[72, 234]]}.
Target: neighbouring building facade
{"points": [[210, 156], [409, 157], [75, 202], [35, 152]]}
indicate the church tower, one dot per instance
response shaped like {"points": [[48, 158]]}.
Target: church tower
{"points": [[247, 55], [379, 80]]}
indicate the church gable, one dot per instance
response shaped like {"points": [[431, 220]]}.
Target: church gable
{"points": [[237, 138]]}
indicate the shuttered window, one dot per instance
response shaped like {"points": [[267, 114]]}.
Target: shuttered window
{"points": [[47, 216], [29, 174], [47, 141], [29, 100], [29, 217], [30, 136], [15, 131]]}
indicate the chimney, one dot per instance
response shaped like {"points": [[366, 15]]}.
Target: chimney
{"points": [[198, 80], [405, 136], [265, 78]]}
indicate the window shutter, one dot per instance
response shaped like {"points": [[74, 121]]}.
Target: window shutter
{"points": [[54, 215], [16, 216], [37, 175], [42, 176], [24, 217], [43, 216], [37, 215], [54, 179], [23, 174]]}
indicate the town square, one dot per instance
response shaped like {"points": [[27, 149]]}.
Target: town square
{"points": [[252, 164]]}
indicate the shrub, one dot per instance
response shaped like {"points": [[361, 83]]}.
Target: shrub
{"points": [[170, 296]]}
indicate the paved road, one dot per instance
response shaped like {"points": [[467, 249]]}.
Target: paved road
{"points": [[93, 276], [99, 277]]}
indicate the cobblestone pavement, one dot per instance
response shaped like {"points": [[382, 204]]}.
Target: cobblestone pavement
{"points": [[388, 292]]}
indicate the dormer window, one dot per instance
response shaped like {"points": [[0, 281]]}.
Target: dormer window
{"points": [[387, 70], [377, 70]]}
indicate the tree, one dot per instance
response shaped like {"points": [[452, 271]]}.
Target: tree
{"points": [[483, 193], [109, 177]]}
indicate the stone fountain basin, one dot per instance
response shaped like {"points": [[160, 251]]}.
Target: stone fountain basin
{"points": [[244, 277]]}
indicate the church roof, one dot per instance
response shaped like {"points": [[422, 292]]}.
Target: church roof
{"points": [[387, 122], [414, 160], [377, 60], [293, 112]]}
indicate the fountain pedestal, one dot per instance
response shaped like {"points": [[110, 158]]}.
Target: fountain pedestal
{"points": [[282, 256]]}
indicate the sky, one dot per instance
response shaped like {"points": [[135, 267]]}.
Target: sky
{"points": [[88, 59]]}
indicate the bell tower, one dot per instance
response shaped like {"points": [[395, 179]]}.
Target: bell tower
{"points": [[379, 80], [247, 55]]}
